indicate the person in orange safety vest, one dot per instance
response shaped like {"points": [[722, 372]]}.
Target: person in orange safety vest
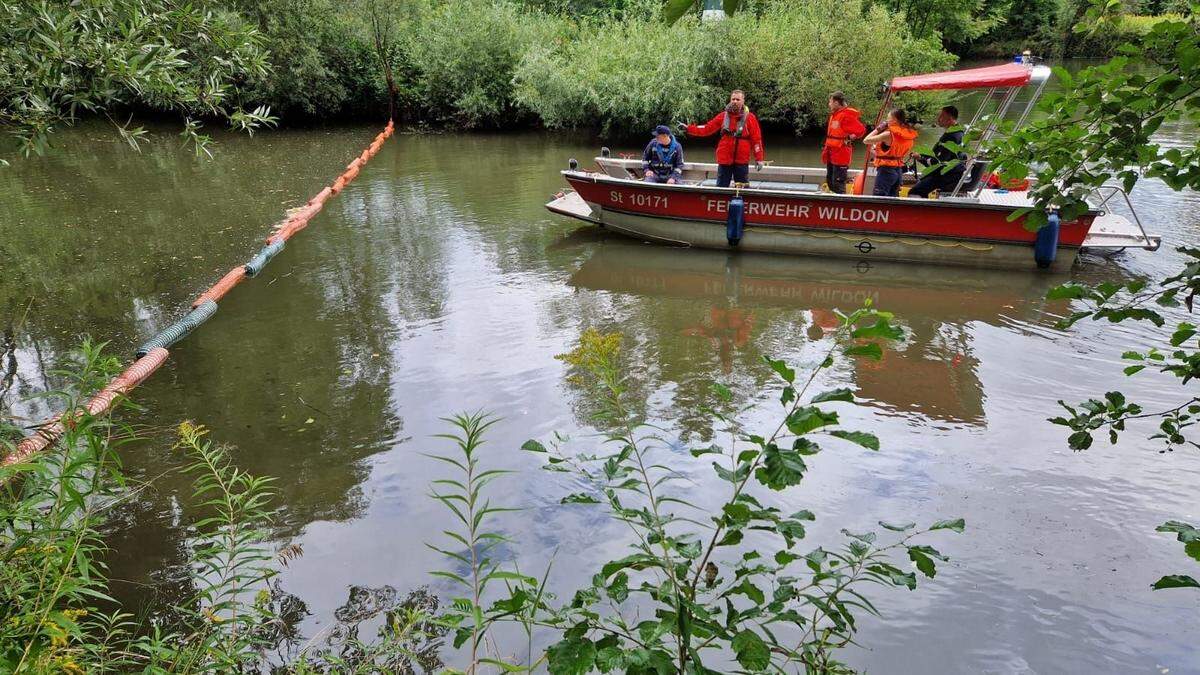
{"points": [[893, 140], [843, 128], [741, 139]]}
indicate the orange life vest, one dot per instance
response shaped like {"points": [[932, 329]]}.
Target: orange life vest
{"points": [[893, 154], [835, 128]]}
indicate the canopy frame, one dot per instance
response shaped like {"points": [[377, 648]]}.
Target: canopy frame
{"points": [[1006, 79]]}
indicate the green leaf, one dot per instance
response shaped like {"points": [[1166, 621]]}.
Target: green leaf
{"points": [[897, 528], [869, 441], [571, 656], [722, 392], [637, 561], [618, 588], [1192, 548], [958, 524], [841, 394], [924, 563], [870, 350], [579, 498], [1185, 531], [781, 468], [751, 652], [791, 531], [748, 589], [1175, 581], [881, 329], [1067, 292], [804, 420], [533, 446], [788, 374], [1080, 440], [924, 556]]}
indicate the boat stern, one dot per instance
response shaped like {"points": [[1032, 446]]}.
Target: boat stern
{"points": [[569, 203]]}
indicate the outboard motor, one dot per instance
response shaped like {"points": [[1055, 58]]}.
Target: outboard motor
{"points": [[1045, 247], [735, 223]]}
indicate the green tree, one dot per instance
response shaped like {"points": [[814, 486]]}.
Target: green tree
{"points": [[59, 60], [955, 23]]}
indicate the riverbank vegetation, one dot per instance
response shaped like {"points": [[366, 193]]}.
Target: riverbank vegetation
{"points": [[704, 583], [611, 65], [469, 64]]}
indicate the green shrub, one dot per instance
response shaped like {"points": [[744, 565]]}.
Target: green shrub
{"points": [[1107, 37], [629, 76], [465, 55], [624, 77], [794, 55], [59, 60]]}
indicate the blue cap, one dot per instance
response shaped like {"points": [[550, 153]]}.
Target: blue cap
{"points": [[662, 129]]}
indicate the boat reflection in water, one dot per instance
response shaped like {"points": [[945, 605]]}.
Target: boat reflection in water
{"points": [[933, 373]]}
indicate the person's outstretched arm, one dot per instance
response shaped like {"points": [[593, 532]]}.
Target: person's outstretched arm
{"points": [[709, 128]]}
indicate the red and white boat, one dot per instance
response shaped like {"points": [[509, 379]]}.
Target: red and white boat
{"points": [[786, 211]]}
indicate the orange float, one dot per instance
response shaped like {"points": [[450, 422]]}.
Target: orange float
{"points": [[145, 366]]}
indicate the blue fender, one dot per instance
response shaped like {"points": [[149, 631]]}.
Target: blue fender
{"points": [[1045, 247], [735, 222]]}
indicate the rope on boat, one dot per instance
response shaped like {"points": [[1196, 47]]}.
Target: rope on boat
{"points": [[153, 353]]}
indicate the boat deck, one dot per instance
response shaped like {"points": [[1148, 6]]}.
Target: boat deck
{"points": [[1112, 231]]}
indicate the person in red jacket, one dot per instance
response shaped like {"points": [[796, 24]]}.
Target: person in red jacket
{"points": [[844, 127], [741, 138]]}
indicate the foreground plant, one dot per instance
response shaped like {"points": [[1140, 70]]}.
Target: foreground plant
{"points": [[50, 511], [703, 584]]}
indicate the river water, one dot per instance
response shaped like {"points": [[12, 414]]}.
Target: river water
{"points": [[437, 283]]}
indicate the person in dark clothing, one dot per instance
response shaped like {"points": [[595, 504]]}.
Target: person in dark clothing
{"points": [[947, 160], [662, 160]]}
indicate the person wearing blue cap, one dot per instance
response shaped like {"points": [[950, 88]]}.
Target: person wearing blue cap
{"points": [[662, 161]]}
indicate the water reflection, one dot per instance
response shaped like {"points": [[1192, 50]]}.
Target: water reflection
{"points": [[933, 373]]}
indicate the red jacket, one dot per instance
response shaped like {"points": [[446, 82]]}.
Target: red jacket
{"points": [[843, 124], [750, 139]]}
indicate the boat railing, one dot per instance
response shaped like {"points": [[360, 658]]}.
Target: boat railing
{"points": [[1113, 191]]}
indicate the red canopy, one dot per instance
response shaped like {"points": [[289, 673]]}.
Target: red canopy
{"points": [[1005, 75]]}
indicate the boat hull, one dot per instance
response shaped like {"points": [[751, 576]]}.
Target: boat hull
{"points": [[912, 230], [844, 244]]}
